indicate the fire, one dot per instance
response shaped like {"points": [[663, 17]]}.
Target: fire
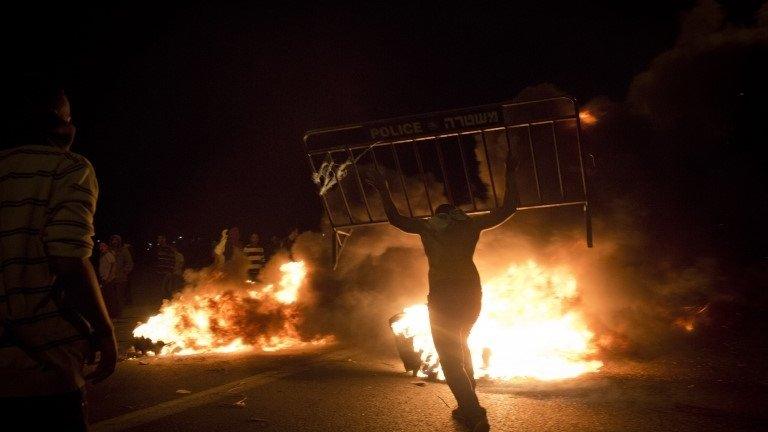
{"points": [[293, 276], [587, 118], [528, 327], [214, 316]]}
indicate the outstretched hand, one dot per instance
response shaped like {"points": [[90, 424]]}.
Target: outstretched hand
{"points": [[375, 178]]}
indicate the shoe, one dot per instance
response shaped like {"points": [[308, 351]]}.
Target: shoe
{"points": [[459, 415], [481, 425], [477, 422]]}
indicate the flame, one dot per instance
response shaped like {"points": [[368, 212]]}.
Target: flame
{"points": [[528, 327], [293, 276], [587, 118], [215, 317]]}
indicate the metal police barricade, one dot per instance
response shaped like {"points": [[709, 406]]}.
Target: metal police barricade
{"points": [[452, 156]]}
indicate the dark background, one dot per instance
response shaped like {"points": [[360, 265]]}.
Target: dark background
{"points": [[192, 113]]}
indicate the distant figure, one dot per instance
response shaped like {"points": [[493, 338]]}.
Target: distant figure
{"points": [[107, 274], [218, 249], [283, 244], [254, 253], [124, 267], [165, 262], [449, 239], [178, 268], [233, 246], [275, 244], [294, 234], [52, 314]]}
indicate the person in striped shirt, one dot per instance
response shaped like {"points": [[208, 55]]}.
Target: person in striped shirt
{"points": [[254, 253], [52, 314]]}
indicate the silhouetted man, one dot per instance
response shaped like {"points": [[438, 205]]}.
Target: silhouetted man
{"points": [[233, 248], [449, 240], [52, 314], [107, 273], [165, 263], [123, 269]]}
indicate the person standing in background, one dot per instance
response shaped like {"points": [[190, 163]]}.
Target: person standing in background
{"points": [[124, 267], [178, 268], [164, 264], [233, 247], [107, 275], [218, 249], [275, 244], [292, 236], [254, 253]]}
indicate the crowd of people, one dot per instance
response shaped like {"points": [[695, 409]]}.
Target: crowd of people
{"points": [[167, 263], [230, 248]]}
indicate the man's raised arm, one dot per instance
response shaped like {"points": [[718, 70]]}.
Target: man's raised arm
{"points": [[404, 223]]}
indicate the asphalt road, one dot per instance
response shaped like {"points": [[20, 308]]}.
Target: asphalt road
{"points": [[343, 388], [347, 389]]}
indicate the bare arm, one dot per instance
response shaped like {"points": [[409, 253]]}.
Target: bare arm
{"points": [[508, 207], [67, 238], [404, 223], [84, 295]]}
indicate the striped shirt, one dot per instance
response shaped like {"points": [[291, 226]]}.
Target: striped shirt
{"points": [[47, 201], [255, 256], [165, 259]]}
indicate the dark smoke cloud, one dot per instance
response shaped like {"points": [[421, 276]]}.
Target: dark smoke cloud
{"points": [[678, 190], [679, 208]]}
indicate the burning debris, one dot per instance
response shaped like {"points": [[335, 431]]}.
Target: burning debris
{"points": [[692, 316], [528, 327], [145, 346], [218, 313], [404, 341]]}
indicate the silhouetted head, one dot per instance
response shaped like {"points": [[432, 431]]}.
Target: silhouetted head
{"points": [[446, 215], [41, 115], [161, 241], [445, 208], [115, 241], [254, 238]]}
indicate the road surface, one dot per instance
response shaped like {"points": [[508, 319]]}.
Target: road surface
{"points": [[347, 388], [337, 388]]}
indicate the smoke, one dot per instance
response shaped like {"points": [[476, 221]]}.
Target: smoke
{"points": [[678, 193], [381, 271], [695, 86]]}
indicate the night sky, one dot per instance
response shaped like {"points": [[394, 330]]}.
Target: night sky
{"points": [[192, 114]]}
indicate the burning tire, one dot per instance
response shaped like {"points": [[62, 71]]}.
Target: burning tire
{"points": [[410, 358]]}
